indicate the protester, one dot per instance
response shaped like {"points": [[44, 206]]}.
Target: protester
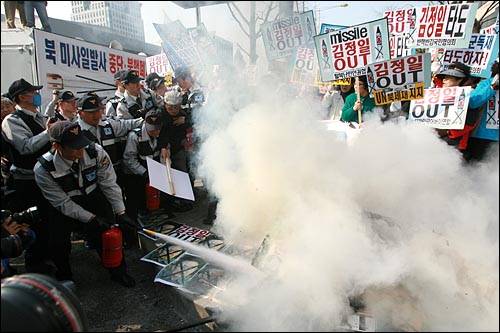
{"points": [[458, 75], [352, 105], [335, 97]]}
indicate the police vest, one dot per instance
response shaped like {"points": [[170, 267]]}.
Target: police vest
{"points": [[114, 102], [28, 161], [111, 144], [145, 150], [136, 110], [68, 182]]}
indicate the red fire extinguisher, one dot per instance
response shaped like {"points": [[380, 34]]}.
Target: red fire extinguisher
{"points": [[112, 252], [152, 197], [188, 144]]}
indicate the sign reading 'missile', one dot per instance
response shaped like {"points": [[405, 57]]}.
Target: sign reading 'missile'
{"points": [[283, 36], [346, 52]]}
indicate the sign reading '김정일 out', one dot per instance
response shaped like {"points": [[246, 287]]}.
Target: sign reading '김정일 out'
{"points": [[346, 53], [399, 79], [282, 36], [444, 108]]}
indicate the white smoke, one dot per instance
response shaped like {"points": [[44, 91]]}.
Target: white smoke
{"points": [[394, 216]]}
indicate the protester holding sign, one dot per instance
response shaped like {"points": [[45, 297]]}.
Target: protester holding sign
{"points": [[352, 105], [458, 74]]}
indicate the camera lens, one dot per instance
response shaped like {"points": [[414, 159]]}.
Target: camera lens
{"points": [[36, 302], [28, 216]]}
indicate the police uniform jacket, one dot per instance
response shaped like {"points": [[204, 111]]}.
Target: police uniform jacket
{"points": [[128, 108], [112, 104], [140, 145], [108, 134], [26, 133], [62, 186]]}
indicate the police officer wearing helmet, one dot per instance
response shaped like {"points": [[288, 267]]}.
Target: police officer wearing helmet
{"points": [[26, 132], [78, 180], [136, 101]]}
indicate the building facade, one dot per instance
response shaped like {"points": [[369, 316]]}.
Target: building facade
{"points": [[123, 17]]}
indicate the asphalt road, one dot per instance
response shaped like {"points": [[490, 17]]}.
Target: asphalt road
{"points": [[149, 306]]}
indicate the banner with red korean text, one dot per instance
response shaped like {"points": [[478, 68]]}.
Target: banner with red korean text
{"points": [[401, 79], [444, 108], [446, 26], [304, 66], [346, 52], [400, 22], [281, 37], [159, 64], [72, 64]]}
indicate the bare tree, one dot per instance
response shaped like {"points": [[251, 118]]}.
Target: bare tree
{"points": [[251, 25]]}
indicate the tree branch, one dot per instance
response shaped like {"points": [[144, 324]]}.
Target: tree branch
{"points": [[237, 20]]}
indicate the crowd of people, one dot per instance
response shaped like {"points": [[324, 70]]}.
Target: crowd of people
{"points": [[81, 163], [82, 160]]}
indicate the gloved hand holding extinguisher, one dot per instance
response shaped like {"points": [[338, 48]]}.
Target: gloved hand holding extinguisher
{"points": [[100, 222], [129, 227], [125, 220]]}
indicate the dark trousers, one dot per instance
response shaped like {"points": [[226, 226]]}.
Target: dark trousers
{"points": [[62, 226], [135, 192], [28, 194]]}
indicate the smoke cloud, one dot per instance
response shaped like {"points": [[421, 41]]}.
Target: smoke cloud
{"points": [[392, 219]]}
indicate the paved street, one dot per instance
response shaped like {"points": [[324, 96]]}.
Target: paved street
{"points": [[149, 306]]}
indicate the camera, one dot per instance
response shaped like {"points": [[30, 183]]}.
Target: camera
{"points": [[57, 116], [28, 216], [39, 303]]}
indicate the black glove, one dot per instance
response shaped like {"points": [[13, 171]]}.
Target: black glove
{"points": [[145, 176], [101, 222], [125, 220]]}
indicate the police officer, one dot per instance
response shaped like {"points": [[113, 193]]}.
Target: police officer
{"points": [[137, 101], [78, 180], [66, 106], [141, 144], [25, 132], [107, 133], [112, 103], [156, 84], [191, 92]]}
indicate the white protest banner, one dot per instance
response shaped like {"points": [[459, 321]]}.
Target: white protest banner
{"points": [[304, 66], [446, 26], [479, 56], [326, 28], [346, 53], [492, 112], [399, 79], [178, 44], [282, 36], [158, 64], [71, 64], [444, 108], [491, 30], [400, 22], [159, 179]]}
